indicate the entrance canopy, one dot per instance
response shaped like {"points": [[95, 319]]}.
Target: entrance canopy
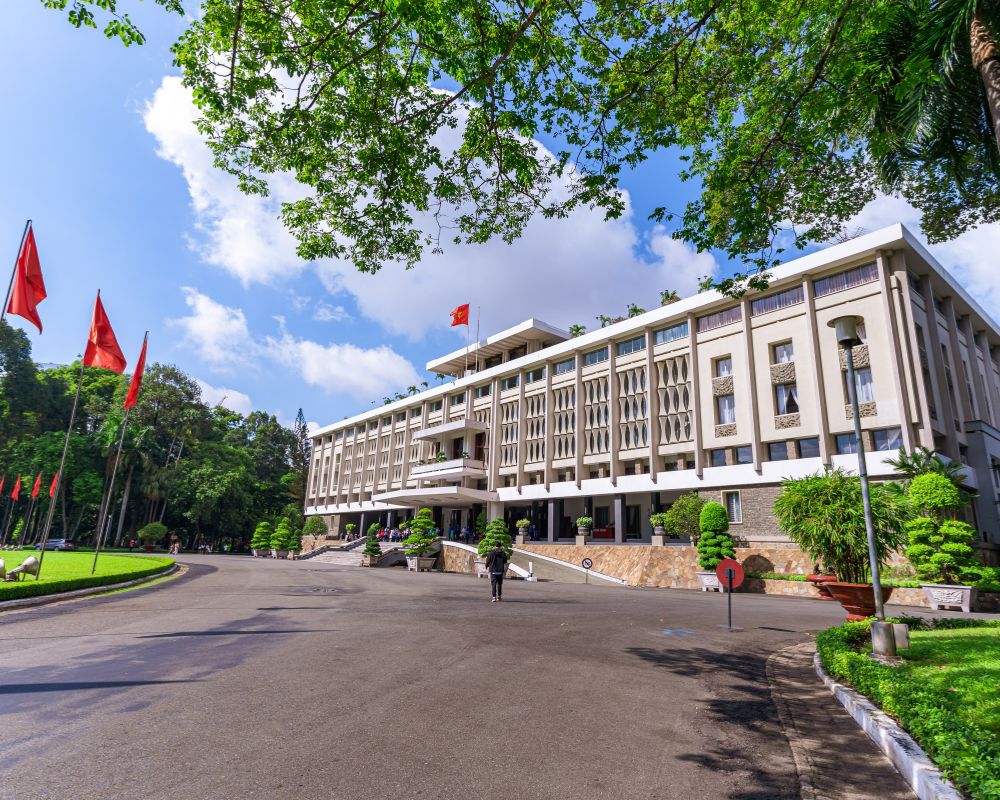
{"points": [[446, 496]]}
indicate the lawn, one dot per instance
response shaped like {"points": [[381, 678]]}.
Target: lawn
{"points": [[946, 693], [62, 572]]}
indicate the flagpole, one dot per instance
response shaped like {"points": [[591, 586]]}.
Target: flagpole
{"points": [[479, 314], [6, 519], [59, 473], [27, 521], [111, 488], [13, 272]]}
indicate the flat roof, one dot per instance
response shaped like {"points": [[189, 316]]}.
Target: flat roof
{"points": [[531, 330]]}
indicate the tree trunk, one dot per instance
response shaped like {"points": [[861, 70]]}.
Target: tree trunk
{"points": [[121, 515], [986, 60]]}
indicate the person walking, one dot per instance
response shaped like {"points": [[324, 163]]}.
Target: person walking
{"points": [[496, 565]]}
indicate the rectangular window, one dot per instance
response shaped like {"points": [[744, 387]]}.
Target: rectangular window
{"points": [[510, 383], [672, 333], [720, 318], [595, 357], [717, 458], [846, 444], [726, 409], [401, 417], [866, 273], [889, 439], [458, 399], [416, 412], [786, 399], [562, 367], [632, 345], [493, 361], [809, 448], [722, 367], [773, 302], [435, 406], [517, 352], [734, 508], [863, 383], [484, 390], [340, 435], [782, 353], [386, 421], [777, 451], [350, 433], [535, 375], [744, 455]]}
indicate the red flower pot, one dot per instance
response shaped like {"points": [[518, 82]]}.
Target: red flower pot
{"points": [[818, 581], [857, 599]]}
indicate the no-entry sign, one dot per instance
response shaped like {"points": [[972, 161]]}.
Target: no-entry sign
{"points": [[722, 572]]}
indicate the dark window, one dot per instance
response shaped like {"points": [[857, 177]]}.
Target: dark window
{"points": [[720, 318], [416, 412], [458, 399], [401, 416], [492, 361], [717, 457], [786, 399], [889, 439], [725, 407], [723, 367], [535, 375], [744, 455], [773, 302], [510, 383], [845, 280], [777, 451], [809, 448], [846, 443], [484, 391], [435, 406]]}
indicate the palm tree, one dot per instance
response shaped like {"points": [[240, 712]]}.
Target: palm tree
{"points": [[668, 296], [634, 310], [921, 460], [577, 330]]}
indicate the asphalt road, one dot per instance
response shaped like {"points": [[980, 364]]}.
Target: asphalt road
{"points": [[251, 678]]}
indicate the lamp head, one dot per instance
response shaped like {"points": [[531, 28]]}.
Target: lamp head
{"points": [[846, 330]]}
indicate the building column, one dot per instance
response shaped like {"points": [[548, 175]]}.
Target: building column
{"points": [[978, 386], [619, 518], [958, 364], [923, 392], [614, 414], [896, 355], [578, 430], [696, 420], [992, 395], [934, 359], [751, 371], [549, 440], [652, 404], [822, 413]]}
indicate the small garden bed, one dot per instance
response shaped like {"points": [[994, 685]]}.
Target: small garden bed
{"points": [[946, 693], [66, 572]]}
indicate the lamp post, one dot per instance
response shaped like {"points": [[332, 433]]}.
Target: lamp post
{"points": [[883, 639]]}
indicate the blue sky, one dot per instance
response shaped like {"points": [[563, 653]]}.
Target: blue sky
{"points": [[98, 149]]}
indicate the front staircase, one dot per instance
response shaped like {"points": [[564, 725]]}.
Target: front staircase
{"points": [[348, 558]]}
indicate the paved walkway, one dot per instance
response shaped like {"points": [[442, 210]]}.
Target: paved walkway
{"points": [[297, 680]]}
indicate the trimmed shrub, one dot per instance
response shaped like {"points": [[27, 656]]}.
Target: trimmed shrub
{"points": [[314, 527], [713, 517], [261, 539], [933, 492], [523, 523], [659, 520], [683, 517], [496, 533], [371, 547], [481, 522], [281, 536], [146, 566], [152, 533], [423, 533], [714, 544], [942, 552], [294, 538]]}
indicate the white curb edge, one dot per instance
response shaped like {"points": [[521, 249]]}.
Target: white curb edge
{"points": [[44, 599], [899, 747]]}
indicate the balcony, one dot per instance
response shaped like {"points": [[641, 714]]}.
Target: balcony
{"points": [[452, 470], [456, 427]]}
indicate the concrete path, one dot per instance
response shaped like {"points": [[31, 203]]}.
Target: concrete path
{"points": [[258, 678]]}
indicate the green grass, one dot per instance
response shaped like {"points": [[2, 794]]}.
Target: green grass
{"points": [[946, 693], [63, 572], [794, 576]]}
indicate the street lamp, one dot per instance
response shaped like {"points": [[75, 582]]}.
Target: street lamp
{"points": [[883, 638]]}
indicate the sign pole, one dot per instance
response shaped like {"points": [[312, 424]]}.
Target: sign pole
{"points": [[729, 579]]}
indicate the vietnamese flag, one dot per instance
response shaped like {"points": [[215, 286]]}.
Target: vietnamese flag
{"points": [[37, 486], [55, 483], [15, 495], [3, 479], [102, 345], [29, 287], [460, 316], [136, 383]]}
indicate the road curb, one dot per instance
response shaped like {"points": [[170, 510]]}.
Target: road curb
{"points": [[899, 747], [45, 599]]}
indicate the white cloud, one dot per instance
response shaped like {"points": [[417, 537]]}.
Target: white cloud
{"points": [[326, 313], [566, 271], [218, 333], [232, 399]]}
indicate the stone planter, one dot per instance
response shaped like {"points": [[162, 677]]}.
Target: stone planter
{"points": [[293, 554], [582, 534], [944, 595], [281, 553], [480, 564], [520, 538], [372, 561], [420, 563], [857, 599], [709, 582], [658, 541], [818, 581], [255, 552]]}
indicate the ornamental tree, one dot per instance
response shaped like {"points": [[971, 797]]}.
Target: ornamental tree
{"points": [[683, 518], [152, 533], [372, 547], [939, 547], [714, 544], [314, 527], [281, 536], [423, 534], [496, 533], [261, 539]]}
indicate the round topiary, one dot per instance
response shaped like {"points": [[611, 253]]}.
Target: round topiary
{"points": [[934, 492], [713, 546], [496, 533], [261, 539], [713, 518]]}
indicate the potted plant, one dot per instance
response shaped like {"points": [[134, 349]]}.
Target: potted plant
{"points": [[152, 533], [819, 578], [422, 540], [294, 541], [714, 544], [583, 528], [684, 517], [824, 515], [522, 529], [496, 533], [280, 538], [260, 542], [372, 550], [659, 523], [349, 528], [940, 547], [441, 457]]}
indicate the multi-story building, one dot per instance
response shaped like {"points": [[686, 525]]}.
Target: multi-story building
{"points": [[724, 396]]}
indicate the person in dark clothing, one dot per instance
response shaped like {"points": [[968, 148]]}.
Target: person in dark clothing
{"points": [[496, 565]]}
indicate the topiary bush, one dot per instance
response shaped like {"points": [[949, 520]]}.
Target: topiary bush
{"points": [[372, 547], [496, 532], [281, 536], [714, 544], [373, 529], [934, 493], [261, 539], [294, 538], [942, 552], [423, 533], [152, 533], [314, 527], [481, 522], [683, 517]]}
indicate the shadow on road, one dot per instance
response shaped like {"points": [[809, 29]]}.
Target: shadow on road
{"points": [[75, 686], [173, 634]]}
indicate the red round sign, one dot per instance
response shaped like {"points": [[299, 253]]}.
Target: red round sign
{"points": [[737, 572]]}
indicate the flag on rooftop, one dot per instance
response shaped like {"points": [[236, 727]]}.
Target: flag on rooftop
{"points": [[460, 316]]}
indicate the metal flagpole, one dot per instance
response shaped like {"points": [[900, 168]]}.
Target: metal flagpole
{"points": [[166, 494], [111, 489], [479, 314], [6, 520], [13, 272], [27, 520], [59, 472]]}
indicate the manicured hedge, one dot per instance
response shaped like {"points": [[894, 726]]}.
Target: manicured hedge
{"points": [[969, 755], [29, 587]]}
